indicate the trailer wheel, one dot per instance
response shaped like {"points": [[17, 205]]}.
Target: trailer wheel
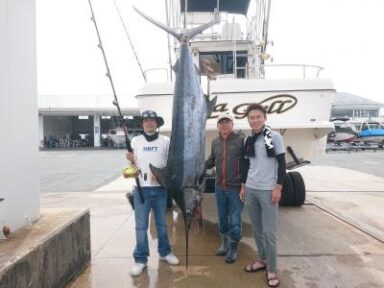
{"points": [[287, 193], [298, 187]]}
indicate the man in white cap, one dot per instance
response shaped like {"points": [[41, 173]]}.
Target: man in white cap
{"points": [[227, 156], [150, 148]]}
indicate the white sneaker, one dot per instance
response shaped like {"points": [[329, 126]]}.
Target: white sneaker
{"points": [[137, 269], [170, 259]]}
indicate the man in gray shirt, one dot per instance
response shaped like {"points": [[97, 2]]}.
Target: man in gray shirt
{"points": [[262, 179]]}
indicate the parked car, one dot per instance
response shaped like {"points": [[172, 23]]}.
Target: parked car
{"points": [[116, 137]]}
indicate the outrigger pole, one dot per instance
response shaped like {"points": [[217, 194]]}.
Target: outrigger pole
{"points": [[130, 41], [115, 101]]}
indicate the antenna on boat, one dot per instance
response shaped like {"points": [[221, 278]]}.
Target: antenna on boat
{"points": [[266, 27], [185, 13], [130, 41], [169, 39], [216, 12]]}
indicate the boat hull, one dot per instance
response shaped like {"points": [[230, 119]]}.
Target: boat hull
{"points": [[298, 110]]}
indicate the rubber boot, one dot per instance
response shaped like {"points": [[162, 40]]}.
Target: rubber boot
{"points": [[224, 246], [232, 252]]}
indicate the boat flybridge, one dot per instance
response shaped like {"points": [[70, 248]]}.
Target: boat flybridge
{"points": [[235, 67]]}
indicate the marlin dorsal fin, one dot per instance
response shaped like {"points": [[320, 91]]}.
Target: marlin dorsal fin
{"points": [[211, 105]]}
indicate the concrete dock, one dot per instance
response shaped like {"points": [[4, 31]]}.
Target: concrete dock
{"points": [[334, 240], [46, 253]]}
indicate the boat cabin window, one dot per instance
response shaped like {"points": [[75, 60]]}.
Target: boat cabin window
{"points": [[222, 63]]}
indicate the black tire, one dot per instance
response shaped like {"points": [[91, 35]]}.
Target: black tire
{"points": [[298, 187], [287, 193]]}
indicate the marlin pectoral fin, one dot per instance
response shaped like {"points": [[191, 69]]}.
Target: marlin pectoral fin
{"points": [[160, 174], [211, 106]]}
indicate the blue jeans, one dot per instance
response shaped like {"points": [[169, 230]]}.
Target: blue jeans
{"points": [[229, 208], [154, 198], [263, 217]]}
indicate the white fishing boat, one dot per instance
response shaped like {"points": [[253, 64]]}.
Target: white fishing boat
{"points": [[233, 64]]}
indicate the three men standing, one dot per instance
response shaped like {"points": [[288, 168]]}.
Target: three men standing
{"points": [[252, 173]]}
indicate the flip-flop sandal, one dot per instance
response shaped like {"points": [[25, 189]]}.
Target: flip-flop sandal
{"points": [[271, 279], [249, 268]]}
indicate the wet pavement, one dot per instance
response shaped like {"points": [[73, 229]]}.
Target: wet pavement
{"points": [[369, 161], [352, 196], [315, 249], [329, 242]]}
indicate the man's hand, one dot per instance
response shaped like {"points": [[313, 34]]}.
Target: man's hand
{"points": [[276, 194], [242, 193], [131, 157]]}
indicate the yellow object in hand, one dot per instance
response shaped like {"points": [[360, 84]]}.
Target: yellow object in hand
{"points": [[130, 172]]}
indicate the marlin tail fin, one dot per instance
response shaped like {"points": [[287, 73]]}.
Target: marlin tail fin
{"points": [[181, 36]]}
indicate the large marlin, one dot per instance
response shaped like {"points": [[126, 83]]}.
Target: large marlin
{"points": [[183, 176]]}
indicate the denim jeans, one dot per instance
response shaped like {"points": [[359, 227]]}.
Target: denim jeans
{"points": [[155, 198], [263, 217], [229, 208]]}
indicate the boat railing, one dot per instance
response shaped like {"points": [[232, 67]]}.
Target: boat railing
{"points": [[278, 70], [265, 71]]}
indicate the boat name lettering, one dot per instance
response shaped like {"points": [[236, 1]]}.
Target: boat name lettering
{"points": [[276, 104]]}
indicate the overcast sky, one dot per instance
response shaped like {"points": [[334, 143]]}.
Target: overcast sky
{"points": [[343, 36]]}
